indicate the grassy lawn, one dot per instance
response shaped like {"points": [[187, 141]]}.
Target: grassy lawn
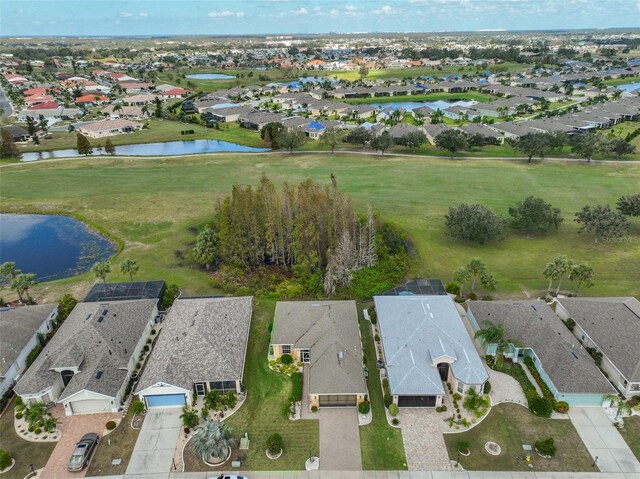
{"points": [[631, 434], [25, 453], [511, 426], [122, 440], [158, 131], [150, 204], [381, 445], [428, 97], [261, 416], [386, 73]]}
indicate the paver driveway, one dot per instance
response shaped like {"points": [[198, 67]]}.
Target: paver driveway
{"points": [[156, 444], [603, 440], [422, 433], [73, 428]]}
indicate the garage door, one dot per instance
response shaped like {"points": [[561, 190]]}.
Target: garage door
{"points": [[417, 401], [338, 400], [165, 400], [90, 406]]}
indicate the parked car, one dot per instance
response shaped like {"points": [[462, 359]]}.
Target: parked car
{"points": [[380, 364], [224, 476], [83, 451]]}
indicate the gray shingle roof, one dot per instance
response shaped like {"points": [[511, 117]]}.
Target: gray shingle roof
{"points": [[94, 346], [614, 325], [415, 331], [202, 339], [534, 323], [326, 328], [17, 327]]}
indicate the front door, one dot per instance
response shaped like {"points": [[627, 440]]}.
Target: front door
{"points": [[306, 356], [201, 389], [443, 369]]}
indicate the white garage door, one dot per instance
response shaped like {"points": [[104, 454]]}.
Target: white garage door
{"points": [[90, 406]]}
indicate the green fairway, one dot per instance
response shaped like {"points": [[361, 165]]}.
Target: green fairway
{"points": [[151, 203]]}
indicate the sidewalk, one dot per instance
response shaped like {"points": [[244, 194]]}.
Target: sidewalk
{"points": [[387, 475]]}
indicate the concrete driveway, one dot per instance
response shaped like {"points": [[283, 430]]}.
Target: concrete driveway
{"points": [[156, 444], [603, 440]]}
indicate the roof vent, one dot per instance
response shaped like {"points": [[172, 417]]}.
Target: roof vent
{"points": [[98, 374], [574, 355], [100, 319], [105, 312]]}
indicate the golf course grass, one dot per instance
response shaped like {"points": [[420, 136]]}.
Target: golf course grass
{"points": [[150, 204]]}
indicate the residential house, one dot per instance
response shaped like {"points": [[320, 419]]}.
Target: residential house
{"points": [[201, 347], [433, 130], [611, 327], [232, 113], [126, 112], [87, 364], [19, 331], [102, 128], [425, 345], [92, 100], [18, 134], [255, 120], [324, 336], [533, 330]]}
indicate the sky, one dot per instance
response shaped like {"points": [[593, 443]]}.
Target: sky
{"points": [[225, 17]]}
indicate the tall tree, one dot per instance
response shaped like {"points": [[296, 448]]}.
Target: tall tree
{"points": [[602, 221], [291, 138], [83, 145], [109, 148], [534, 214], [618, 147], [452, 141], [332, 137], [358, 136], [493, 334], [8, 271], [101, 269], [462, 276], [206, 247], [586, 145], [581, 275], [159, 111], [363, 71], [534, 144], [413, 140], [8, 148], [382, 142], [129, 266], [477, 268]]}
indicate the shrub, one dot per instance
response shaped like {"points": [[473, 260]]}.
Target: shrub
{"points": [[31, 357], [37, 431], [388, 400], [376, 337], [111, 425], [487, 298], [19, 415], [314, 408], [274, 444], [462, 446], [489, 359], [487, 387], [296, 392], [438, 408], [395, 421], [570, 324], [444, 408], [562, 407], [546, 447], [230, 399], [475, 223], [5, 459], [364, 407], [459, 416], [473, 296], [542, 407], [459, 299], [373, 316], [146, 348], [137, 407], [286, 359], [393, 409], [457, 396], [452, 288]]}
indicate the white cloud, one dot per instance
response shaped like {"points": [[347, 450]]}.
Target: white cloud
{"points": [[126, 14], [226, 14], [300, 11], [385, 10], [143, 14]]}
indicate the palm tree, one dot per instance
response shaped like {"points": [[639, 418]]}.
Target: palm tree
{"points": [[50, 423], [622, 408], [22, 282], [477, 268], [35, 414], [101, 269], [129, 266], [8, 271], [189, 417], [213, 439], [556, 270], [494, 334]]}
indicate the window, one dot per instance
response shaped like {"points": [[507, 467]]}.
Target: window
{"points": [[223, 386], [460, 387], [286, 349], [305, 355]]}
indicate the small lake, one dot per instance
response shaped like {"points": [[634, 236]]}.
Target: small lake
{"points": [[629, 86], [411, 105], [210, 76], [52, 247], [153, 149]]}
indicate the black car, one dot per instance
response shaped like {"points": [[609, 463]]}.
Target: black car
{"points": [[379, 363], [82, 452]]}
